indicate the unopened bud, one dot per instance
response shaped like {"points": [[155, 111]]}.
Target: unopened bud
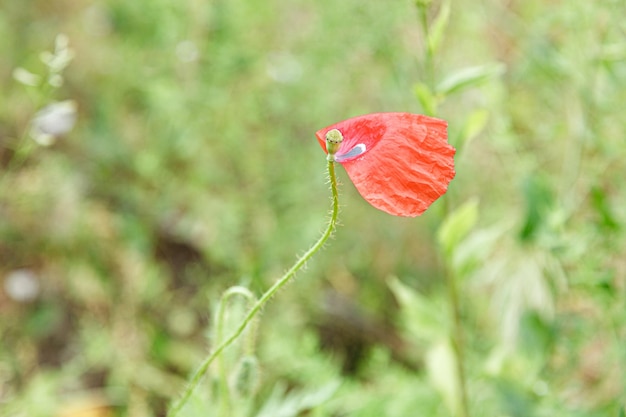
{"points": [[246, 377], [333, 143]]}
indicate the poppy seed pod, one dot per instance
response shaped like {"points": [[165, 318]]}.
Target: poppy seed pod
{"points": [[333, 143]]}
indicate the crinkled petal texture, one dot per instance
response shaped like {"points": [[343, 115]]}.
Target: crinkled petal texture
{"points": [[399, 162]]}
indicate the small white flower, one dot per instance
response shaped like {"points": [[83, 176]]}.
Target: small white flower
{"points": [[52, 121], [22, 285], [26, 77], [61, 57]]}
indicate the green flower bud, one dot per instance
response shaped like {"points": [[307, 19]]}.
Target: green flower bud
{"points": [[246, 377], [333, 143]]}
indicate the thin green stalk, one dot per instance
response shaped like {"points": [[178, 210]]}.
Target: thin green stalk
{"points": [[197, 377], [457, 342], [219, 334], [453, 298], [21, 152], [429, 60]]}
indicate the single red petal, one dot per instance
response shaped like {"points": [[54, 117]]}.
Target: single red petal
{"points": [[404, 164]]}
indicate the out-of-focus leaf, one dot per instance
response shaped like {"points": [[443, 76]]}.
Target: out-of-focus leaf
{"points": [[514, 398], [539, 201], [424, 319], [426, 98], [474, 124], [613, 53], [603, 209], [469, 77], [475, 250], [439, 26], [457, 225], [520, 278], [442, 372], [536, 337], [290, 404]]}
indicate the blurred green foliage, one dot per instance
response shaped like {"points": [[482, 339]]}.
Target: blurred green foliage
{"points": [[192, 167]]}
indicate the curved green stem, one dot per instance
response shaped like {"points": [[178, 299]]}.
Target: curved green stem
{"points": [[197, 376], [219, 334]]}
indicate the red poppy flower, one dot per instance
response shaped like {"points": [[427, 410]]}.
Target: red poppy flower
{"points": [[399, 162]]}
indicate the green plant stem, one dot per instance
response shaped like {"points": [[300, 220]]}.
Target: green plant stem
{"points": [[429, 61], [280, 283], [21, 151], [225, 407], [457, 342], [24, 145]]}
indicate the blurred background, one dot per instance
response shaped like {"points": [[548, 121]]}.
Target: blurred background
{"points": [[155, 153]]}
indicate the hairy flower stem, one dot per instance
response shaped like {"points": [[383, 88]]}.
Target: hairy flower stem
{"points": [[225, 400], [254, 310]]}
